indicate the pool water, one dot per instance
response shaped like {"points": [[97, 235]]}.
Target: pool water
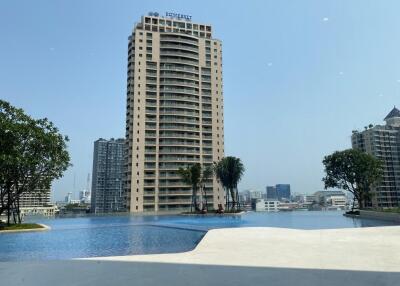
{"points": [[126, 235]]}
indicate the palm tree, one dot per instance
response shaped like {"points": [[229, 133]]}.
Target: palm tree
{"points": [[207, 173], [191, 176], [230, 171]]}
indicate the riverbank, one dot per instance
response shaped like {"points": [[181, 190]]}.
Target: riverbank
{"points": [[23, 227]]}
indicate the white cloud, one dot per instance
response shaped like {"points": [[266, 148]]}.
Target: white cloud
{"points": [[325, 19]]}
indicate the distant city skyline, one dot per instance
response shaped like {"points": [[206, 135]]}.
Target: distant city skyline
{"points": [[311, 73]]}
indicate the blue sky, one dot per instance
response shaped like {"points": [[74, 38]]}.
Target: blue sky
{"points": [[299, 76]]}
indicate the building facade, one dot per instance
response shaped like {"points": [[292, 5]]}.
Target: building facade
{"points": [[383, 142], [36, 203], [271, 193], [107, 177], [261, 205], [174, 115], [283, 191], [38, 198]]}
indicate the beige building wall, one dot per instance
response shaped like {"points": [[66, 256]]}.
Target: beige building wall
{"points": [[174, 112]]}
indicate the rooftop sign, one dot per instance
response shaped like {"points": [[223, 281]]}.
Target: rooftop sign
{"points": [[178, 16]]}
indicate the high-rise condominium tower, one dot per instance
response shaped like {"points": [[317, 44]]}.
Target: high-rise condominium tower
{"points": [[383, 142], [107, 178], [174, 115]]}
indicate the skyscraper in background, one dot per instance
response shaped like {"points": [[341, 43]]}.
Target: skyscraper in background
{"points": [[271, 193], [282, 191], [108, 168], [383, 142], [174, 115]]}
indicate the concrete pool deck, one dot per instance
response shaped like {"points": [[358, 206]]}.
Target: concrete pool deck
{"points": [[362, 249], [237, 256]]}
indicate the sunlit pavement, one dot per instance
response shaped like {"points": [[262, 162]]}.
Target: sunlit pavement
{"points": [[239, 256]]}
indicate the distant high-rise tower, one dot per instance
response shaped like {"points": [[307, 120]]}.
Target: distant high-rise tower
{"points": [[174, 115], [107, 185], [283, 191], [383, 142], [271, 193]]}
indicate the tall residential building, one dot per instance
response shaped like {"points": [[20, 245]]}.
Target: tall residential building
{"points": [[107, 177], [174, 115], [383, 142]]}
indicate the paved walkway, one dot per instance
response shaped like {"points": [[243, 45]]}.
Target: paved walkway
{"points": [[364, 249], [240, 256]]}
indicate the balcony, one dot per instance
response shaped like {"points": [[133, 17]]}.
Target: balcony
{"points": [[180, 98], [179, 68], [179, 90], [179, 61], [179, 83], [179, 127], [179, 54], [179, 47], [179, 105], [193, 42], [179, 135], [179, 112], [178, 143], [179, 75]]}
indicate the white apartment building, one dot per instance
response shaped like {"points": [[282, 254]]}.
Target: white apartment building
{"points": [[266, 206], [174, 115]]}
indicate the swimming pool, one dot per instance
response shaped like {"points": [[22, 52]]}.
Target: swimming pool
{"points": [[126, 235]]}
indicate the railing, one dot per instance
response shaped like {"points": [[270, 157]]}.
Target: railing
{"points": [[179, 46], [178, 135], [180, 54], [178, 75], [181, 69], [178, 120], [176, 112], [178, 143], [179, 127], [178, 40], [180, 105], [180, 98], [179, 83], [174, 151], [180, 61]]}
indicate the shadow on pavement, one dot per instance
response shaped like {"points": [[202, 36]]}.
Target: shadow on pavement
{"points": [[115, 273]]}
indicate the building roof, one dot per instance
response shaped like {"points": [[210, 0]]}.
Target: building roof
{"points": [[394, 113]]}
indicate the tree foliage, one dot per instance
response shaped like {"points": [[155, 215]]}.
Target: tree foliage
{"points": [[229, 171], [32, 154], [354, 171], [197, 176], [191, 176]]}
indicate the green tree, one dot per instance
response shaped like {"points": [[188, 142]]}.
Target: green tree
{"points": [[207, 174], [32, 154], [354, 171], [229, 171], [191, 176]]}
